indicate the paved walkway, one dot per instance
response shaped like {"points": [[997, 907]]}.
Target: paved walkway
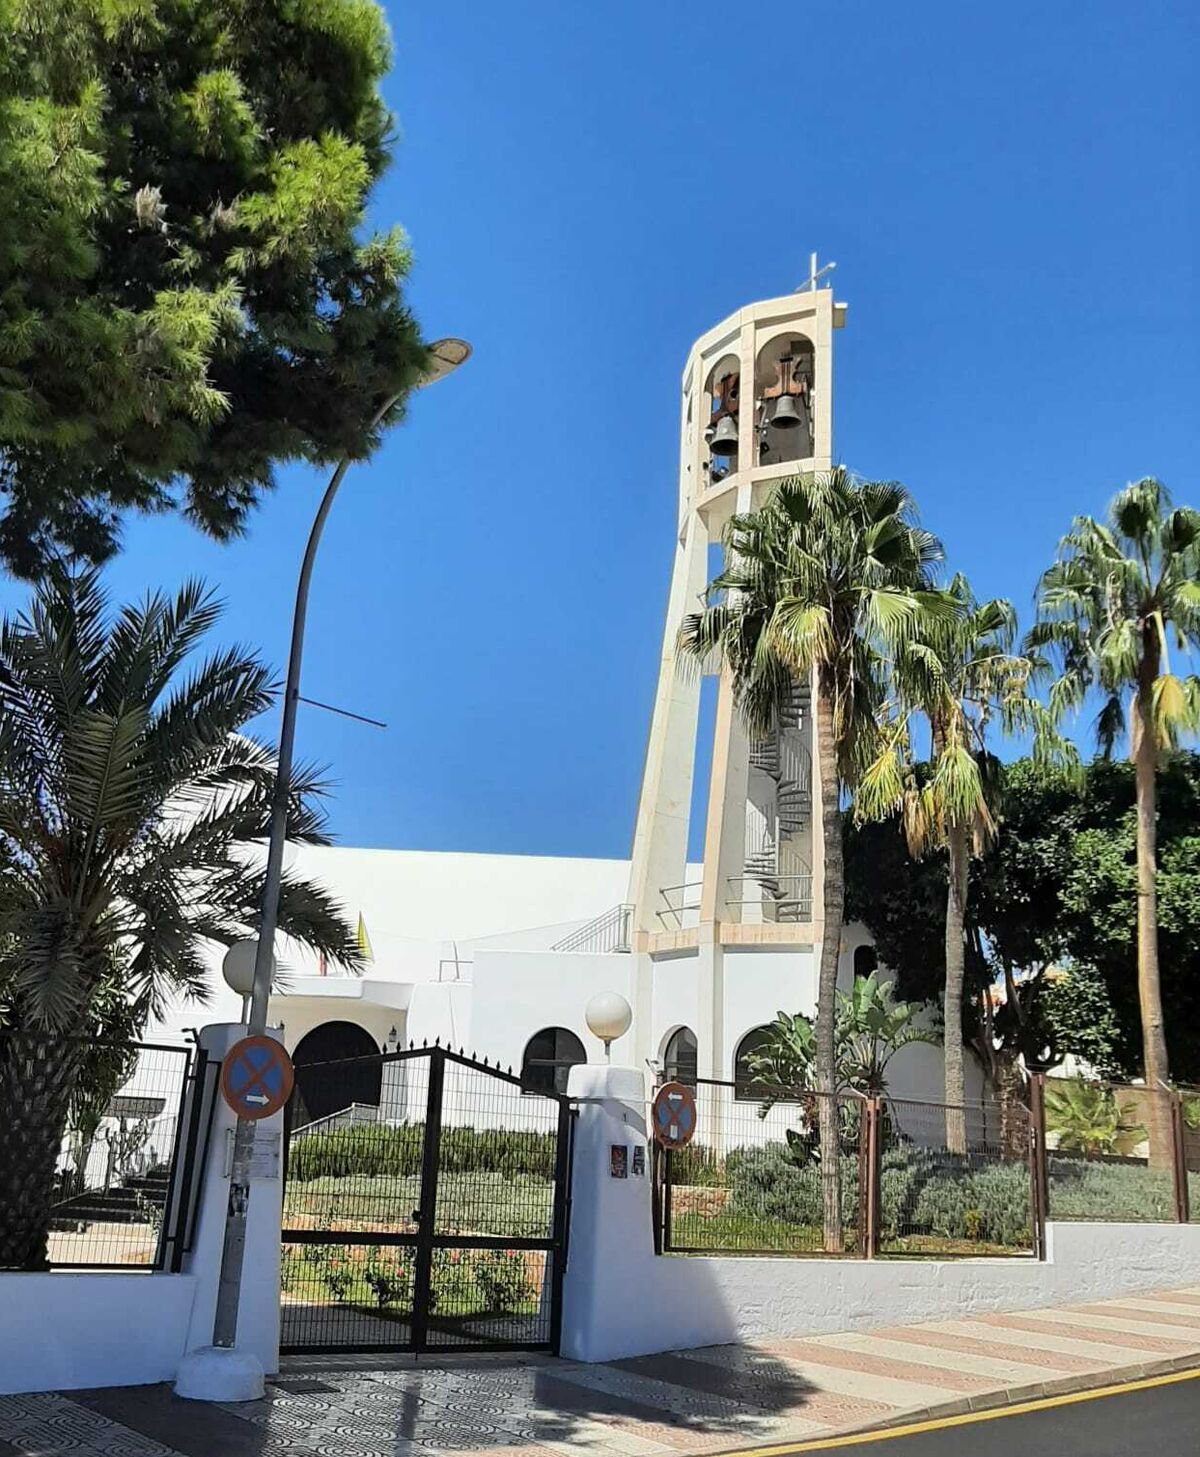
{"points": [[655, 1406]]}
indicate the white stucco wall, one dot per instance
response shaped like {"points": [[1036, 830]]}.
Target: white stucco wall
{"points": [[66, 1331], [621, 1300], [516, 993]]}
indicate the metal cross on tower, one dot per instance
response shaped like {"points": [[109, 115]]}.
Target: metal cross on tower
{"points": [[815, 273]]}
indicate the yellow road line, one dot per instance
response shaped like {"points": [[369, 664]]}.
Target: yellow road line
{"points": [[937, 1424]]}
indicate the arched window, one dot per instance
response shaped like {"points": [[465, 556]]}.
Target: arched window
{"points": [[865, 961], [680, 1057], [338, 1064], [549, 1056], [743, 1075]]}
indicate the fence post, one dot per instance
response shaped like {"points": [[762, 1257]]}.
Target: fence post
{"points": [[426, 1224], [874, 1171], [1179, 1161], [1039, 1184]]}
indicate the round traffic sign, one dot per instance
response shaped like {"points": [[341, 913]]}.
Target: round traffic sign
{"points": [[257, 1077], [674, 1115]]}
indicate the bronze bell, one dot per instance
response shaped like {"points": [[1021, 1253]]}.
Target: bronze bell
{"points": [[786, 416], [725, 438]]}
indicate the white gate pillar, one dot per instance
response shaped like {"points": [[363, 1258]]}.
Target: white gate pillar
{"points": [[258, 1311]]}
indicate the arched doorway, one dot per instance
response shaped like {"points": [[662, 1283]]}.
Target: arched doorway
{"points": [[322, 1089]]}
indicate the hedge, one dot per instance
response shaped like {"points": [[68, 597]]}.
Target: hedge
{"points": [[377, 1150]]}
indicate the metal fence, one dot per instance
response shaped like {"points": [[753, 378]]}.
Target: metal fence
{"points": [[754, 1180], [118, 1196], [1115, 1152], [909, 1178], [924, 1179]]}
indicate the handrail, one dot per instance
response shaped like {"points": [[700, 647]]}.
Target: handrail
{"points": [[678, 911], [609, 931]]}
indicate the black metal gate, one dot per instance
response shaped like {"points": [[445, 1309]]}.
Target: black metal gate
{"points": [[434, 1220]]}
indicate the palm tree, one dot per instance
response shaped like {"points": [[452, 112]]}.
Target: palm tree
{"points": [[130, 804], [1120, 595], [827, 571], [958, 672]]}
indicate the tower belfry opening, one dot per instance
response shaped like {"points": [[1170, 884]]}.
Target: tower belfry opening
{"points": [[756, 408]]}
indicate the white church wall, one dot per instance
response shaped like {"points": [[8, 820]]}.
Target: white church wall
{"points": [[517, 993], [675, 999], [759, 983]]}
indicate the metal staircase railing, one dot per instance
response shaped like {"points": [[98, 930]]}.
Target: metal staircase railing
{"points": [[609, 931]]}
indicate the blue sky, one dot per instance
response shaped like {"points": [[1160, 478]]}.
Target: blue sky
{"points": [[1010, 194]]}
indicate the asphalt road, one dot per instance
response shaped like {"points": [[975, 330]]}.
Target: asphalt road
{"points": [[1159, 1421]]}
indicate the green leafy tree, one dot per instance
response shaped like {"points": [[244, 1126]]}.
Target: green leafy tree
{"points": [[131, 801], [1122, 594], [825, 573], [957, 671], [187, 294]]}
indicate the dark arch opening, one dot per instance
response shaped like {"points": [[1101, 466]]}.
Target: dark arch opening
{"points": [[745, 1087], [865, 961], [548, 1059], [681, 1057], [326, 1082]]}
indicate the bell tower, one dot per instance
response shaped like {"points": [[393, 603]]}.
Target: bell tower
{"points": [[756, 408]]}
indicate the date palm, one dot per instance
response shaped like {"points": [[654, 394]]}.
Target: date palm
{"points": [[827, 572], [1122, 595], [960, 674], [130, 804]]}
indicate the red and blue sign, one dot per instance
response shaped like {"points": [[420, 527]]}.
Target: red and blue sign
{"points": [[674, 1115], [257, 1077]]}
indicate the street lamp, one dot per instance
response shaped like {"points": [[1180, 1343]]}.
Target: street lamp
{"points": [[444, 357], [608, 1016], [237, 967]]}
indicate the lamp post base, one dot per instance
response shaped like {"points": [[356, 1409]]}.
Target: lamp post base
{"points": [[218, 1373]]}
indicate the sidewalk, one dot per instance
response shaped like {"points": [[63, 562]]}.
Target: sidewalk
{"points": [[697, 1401]]}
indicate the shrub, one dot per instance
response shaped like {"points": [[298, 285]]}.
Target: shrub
{"points": [[390, 1282], [770, 1182], [991, 1204], [502, 1279], [377, 1150], [697, 1166], [1091, 1189]]}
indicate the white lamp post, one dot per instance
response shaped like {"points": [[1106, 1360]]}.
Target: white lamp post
{"points": [[608, 1016], [237, 967]]}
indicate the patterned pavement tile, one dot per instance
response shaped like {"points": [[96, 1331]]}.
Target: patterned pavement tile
{"points": [[691, 1402]]}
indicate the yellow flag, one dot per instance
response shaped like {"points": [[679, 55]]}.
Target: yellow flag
{"points": [[364, 941]]}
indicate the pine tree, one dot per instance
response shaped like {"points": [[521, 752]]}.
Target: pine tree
{"points": [[187, 294]]}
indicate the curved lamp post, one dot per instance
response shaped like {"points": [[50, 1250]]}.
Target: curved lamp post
{"points": [[445, 357]]}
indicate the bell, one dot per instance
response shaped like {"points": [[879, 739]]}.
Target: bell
{"points": [[725, 440], [786, 416]]}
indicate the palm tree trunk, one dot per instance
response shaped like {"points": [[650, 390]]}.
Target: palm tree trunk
{"points": [[956, 955], [1014, 1119], [833, 901], [1154, 1040], [37, 1077]]}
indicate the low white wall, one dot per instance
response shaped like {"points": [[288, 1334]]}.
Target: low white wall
{"points": [[620, 1299], [67, 1330]]}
